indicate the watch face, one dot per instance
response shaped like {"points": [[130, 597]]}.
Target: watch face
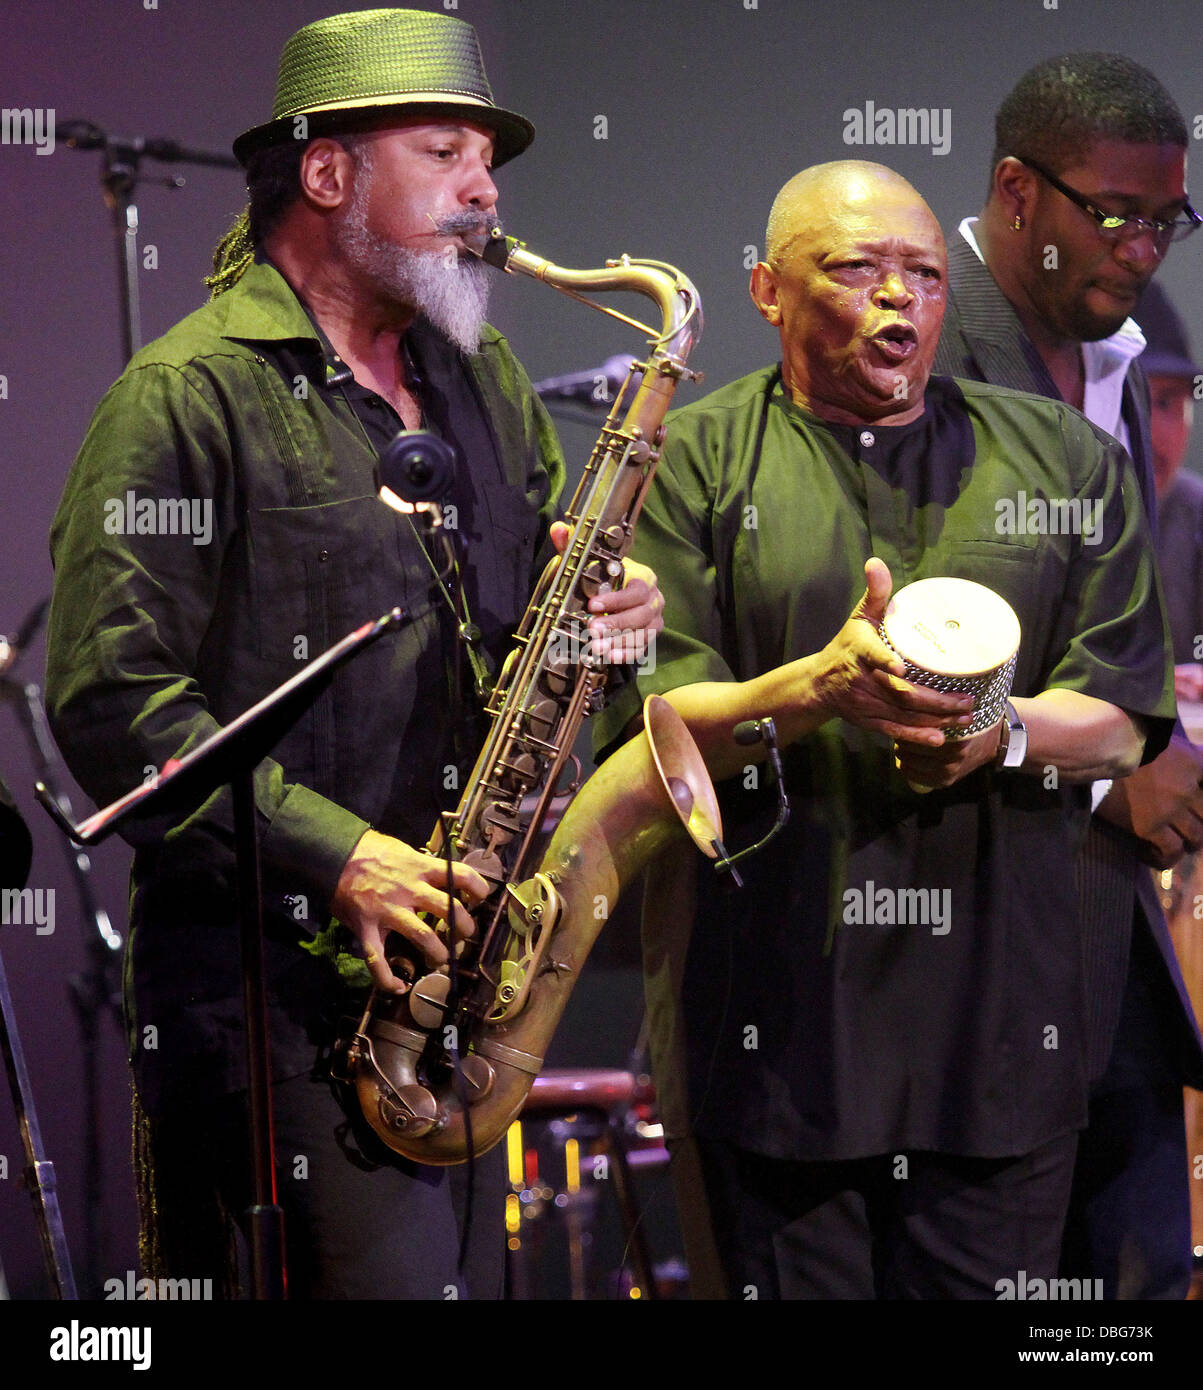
{"points": [[1013, 740], [1017, 746]]}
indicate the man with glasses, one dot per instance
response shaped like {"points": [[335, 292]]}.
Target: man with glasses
{"points": [[1087, 194]]}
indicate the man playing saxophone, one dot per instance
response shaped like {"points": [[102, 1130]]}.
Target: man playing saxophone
{"points": [[873, 1056], [345, 309]]}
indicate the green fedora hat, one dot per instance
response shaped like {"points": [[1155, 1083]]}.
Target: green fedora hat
{"points": [[349, 66]]}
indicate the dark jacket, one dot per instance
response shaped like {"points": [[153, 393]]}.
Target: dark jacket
{"points": [[982, 338]]}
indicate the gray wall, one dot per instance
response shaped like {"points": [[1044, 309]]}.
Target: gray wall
{"points": [[710, 104]]}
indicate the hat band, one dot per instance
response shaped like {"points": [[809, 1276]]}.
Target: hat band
{"points": [[388, 99]]}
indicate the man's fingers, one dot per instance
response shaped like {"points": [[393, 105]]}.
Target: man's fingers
{"points": [[467, 882], [435, 901], [878, 587], [919, 774], [1188, 826], [635, 595], [918, 737], [635, 608], [419, 935], [372, 941], [620, 648], [922, 699], [1164, 850], [622, 619]]}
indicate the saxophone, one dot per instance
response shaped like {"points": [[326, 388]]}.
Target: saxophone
{"points": [[442, 1070]]}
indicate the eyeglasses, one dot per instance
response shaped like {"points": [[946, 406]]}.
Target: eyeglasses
{"points": [[1117, 228]]}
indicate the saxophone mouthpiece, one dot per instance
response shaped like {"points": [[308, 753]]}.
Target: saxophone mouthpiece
{"points": [[491, 244]]}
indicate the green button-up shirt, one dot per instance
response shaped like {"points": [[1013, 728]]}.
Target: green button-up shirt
{"points": [[799, 1021], [219, 528]]}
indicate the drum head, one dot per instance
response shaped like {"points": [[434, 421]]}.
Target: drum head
{"points": [[952, 627]]}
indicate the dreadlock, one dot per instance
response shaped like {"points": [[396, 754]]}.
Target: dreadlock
{"points": [[232, 255]]}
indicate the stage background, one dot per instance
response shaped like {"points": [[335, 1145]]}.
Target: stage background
{"points": [[708, 107]]}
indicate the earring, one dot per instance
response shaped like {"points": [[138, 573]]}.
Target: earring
{"points": [[1017, 225]]}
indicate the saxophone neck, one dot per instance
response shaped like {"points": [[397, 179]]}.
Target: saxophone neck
{"points": [[679, 303]]}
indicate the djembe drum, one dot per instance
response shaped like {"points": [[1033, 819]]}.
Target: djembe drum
{"points": [[959, 636]]}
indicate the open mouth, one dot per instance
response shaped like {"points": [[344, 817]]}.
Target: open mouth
{"points": [[896, 341]]}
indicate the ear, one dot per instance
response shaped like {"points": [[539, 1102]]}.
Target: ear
{"points": [[762, 286], [1015, 188], [327, 174]]}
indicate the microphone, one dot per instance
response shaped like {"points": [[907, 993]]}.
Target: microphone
{"points": [[746, 734], [87, 135], [596, 386], [415, 471]]}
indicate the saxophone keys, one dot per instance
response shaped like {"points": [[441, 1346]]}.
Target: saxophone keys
{"points": [[530, 903], [478, 1077], [412, 1111], [428, 1000]]}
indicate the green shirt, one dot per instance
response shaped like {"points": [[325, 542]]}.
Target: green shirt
{"points": [[801, 1032], [273, 545]]}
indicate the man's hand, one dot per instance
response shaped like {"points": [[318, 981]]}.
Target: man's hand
{"points": [[385, 884], [1161, 804], [954, 759], [627, 618], [861, 681], [1188, 682]]}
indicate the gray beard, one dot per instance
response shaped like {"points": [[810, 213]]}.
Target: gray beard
{"points": [[451, 291]]}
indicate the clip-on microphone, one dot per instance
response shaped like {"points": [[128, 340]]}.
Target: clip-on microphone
{"points": [[753, 731], [415, 473]]}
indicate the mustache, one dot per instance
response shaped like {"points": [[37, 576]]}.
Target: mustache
{"points": [[469, 221]]}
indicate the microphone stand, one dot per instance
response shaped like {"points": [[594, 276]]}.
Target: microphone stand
{"points": [[39, 1176], [97, 987], [39, 1171], [120, 176], [231, 756]]}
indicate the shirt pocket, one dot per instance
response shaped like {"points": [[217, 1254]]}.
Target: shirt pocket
{"points": [[500, 560], [1029, 576], [320, 571], [978, 557]]}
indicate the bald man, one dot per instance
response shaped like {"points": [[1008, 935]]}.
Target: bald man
{"points": [[872, 1058]]}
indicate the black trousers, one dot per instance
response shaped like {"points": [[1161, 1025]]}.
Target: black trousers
{"points": [[906, 1226], [360, 1221]]}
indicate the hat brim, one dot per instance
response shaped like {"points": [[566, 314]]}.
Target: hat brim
{"points": [[513, 132]]}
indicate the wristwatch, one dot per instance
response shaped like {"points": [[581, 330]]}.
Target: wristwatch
{"points": [[1012, 741]]}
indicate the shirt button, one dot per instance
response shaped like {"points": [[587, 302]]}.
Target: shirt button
{"points": [[323, 556], [866, 439]]}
